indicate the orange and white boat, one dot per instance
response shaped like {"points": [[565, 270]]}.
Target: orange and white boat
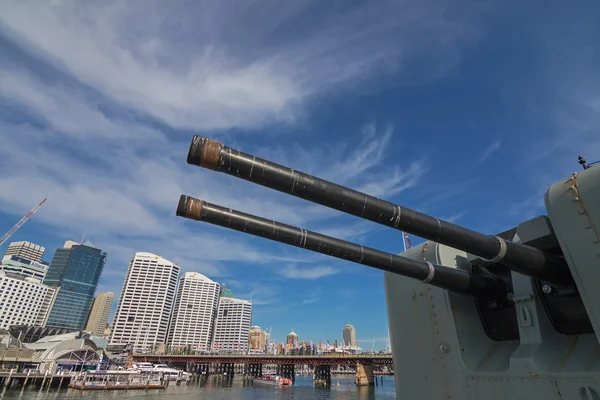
{"points": [[273, 380]]}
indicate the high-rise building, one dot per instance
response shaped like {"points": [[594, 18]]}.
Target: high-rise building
{"points": [[76, 269], [233, 325], [146, 302], [98, 319], [27, 250], [349, 335], [257, 339], [292, 339], [23, 300], [22, 266], [194, 313]]}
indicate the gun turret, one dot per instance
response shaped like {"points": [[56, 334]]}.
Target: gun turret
{"points": [[521, 258], [453, 279]]}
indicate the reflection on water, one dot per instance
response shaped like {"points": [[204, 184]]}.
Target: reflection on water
{"points": [[342, 388]]}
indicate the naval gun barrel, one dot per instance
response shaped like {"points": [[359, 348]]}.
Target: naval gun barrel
{"points": [[452, 279], [521, 258]]}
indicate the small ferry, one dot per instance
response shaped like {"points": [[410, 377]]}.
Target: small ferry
{"points": [[271, 380]]}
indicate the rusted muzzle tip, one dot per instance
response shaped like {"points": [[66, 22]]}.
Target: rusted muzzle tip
{"points": [[189, 207], [204, 152]]}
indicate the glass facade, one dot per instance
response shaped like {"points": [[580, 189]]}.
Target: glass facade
{"points": [[76, 270]]}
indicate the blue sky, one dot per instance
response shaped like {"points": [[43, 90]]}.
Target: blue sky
{"points": [[464, 110]]}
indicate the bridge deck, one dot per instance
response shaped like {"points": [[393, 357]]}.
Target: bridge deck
{"points": [[379, 360]]}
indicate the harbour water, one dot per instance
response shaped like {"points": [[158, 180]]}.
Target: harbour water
{"points": [[342, 388]]}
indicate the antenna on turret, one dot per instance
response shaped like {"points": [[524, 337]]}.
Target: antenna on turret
{"points": [[584, 163]]}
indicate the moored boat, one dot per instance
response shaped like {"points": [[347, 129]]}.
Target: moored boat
{"points": [[271, 380]]}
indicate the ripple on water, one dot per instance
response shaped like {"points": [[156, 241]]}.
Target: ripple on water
{"points": [[303, 390]]}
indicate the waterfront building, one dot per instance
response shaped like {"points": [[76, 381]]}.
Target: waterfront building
{"points": [[23, 266], [76, 269], [194, 312], [232, 326], [349, 336], [27, 250], [98, 319], [24, 300], [146, 302]]}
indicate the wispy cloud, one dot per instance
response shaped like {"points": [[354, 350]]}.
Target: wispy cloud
{"points": [[455, 217], [293, 272], [494, 147], [313, 296], [223, 66]]}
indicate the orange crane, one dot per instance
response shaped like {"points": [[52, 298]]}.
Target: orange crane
{"points": [[19, 224]]}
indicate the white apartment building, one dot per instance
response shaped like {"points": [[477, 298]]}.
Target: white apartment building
{"points": [[27, 250], [194, 313], [21, 266], [233, 325], [24, 300], [98, 318], [146, 302]]}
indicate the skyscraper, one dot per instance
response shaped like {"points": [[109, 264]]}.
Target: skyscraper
{"points": [[98, 319], [27, 250], [349, 335], [146, 302], [24, 300], [76, 269], [194, 312], [233, 325], [292, 339]]}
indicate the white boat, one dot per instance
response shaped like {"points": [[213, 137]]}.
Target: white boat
{"points": [[273, 380], [173, 374]]}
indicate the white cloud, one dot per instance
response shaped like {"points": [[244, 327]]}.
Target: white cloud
{"points": [[208, 65], [492, 148], [293, 272]]}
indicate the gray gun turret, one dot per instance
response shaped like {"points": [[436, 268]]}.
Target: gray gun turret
{"points": [[529, 325]]}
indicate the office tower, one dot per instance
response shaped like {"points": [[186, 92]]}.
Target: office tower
{"points": [[22, 266], [257, 339], [76, 269], [98, 319], [194, 313], [146, 302], [292, 339], [27, 250], [23, 300], [232, 325], [349, 335]]}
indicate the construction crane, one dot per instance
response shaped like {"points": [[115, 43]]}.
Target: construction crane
{"points": [[19, 224]]}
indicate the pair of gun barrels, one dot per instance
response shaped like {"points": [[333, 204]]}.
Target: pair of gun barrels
{"points": [[521, 258]]}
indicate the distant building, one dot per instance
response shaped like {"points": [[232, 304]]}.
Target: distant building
{"points": [[23, 266], [292, 339], [76, 269], [194, 313], [23, 300], [232, 326], [27, 250], [146, 302], [349, 336], [257, 339], [98, 319]]}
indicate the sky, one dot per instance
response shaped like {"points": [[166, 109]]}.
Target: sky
{"points": [[464, 110]]}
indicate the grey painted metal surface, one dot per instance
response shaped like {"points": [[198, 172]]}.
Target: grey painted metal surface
{"points": [[440, 348]]}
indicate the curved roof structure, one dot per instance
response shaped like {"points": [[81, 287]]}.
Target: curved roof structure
{"points": [[8, 341]]}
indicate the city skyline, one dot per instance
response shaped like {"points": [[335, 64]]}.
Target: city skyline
{"points": [[98, 119]]}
